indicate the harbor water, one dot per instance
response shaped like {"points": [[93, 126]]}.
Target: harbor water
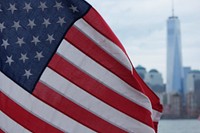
{"points": [[179, 126]]}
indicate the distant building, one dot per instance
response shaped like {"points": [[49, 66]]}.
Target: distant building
{"points": [[155, 81], [174, 56], [175, 105], [141, 71], [186, 71], [193, 94], [153, 77], [192, 77], [179, 105]]}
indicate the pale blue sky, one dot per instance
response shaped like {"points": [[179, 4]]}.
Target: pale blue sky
{"points": [[141, 27]]}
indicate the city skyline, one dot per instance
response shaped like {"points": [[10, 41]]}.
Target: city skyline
{"points": [[139, 25]]}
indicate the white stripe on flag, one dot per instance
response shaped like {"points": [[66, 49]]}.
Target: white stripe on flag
{"points": [[10, 126], [92, 104], [101, 74], [104, 43], [156, 116], [40, 109]]}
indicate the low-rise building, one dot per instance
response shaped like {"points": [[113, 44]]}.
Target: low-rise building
{"points": [[193, 94]]}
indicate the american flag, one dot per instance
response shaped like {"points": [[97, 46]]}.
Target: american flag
{"points": [[63, 70]]}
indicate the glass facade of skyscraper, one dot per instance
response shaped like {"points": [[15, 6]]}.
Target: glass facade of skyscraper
{"points": [[174, 56]]}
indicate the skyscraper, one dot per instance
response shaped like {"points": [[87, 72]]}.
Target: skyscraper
{"points": [[174, 56]]}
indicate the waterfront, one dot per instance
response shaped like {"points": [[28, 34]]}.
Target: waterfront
{"points": [[179, 126]]}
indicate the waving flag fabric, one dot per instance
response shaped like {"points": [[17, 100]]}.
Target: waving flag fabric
{"points": [[63, 70]]}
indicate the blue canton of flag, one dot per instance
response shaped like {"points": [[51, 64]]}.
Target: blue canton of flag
{"points": [[30, 33]]}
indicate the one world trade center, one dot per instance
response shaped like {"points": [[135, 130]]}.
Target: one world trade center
{"points": [[174, 56]]}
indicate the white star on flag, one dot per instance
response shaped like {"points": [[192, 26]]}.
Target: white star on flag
{"points": [[12, 8], [28, 73]]}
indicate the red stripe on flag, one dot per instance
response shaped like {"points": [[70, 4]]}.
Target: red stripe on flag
{"points": [[1, 131], [155, 126], [92, 50], [25, 118], [155, 101], [98, 90], [98, 23], [73, 110]]}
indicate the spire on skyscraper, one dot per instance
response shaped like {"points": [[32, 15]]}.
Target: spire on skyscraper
{"points": [[172, 8]]}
